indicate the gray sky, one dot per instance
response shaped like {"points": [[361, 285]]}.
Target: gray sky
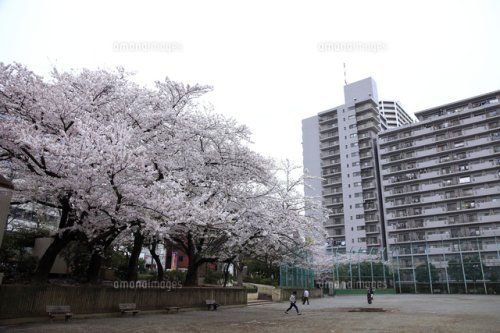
{"points": [[272, 63]]}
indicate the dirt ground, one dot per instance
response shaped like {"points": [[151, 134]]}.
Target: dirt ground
{"points": [[389, 313]]}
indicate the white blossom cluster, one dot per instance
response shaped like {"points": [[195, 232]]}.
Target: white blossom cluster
{"points": [[119, 159]]}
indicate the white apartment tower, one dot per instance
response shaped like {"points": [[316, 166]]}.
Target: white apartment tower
{"points": [[339, 146], [394, 113], [441, 185]]}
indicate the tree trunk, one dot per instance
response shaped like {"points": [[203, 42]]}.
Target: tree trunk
{"points": [[239, 273], [47, 260], [94, 267], [226, 273], [159, 266], [192, 272], [99, 248], [134, 257]]}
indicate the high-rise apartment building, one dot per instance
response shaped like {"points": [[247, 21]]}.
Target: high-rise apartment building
{"points": [[339, 147], [441, 183], [394, 113]]}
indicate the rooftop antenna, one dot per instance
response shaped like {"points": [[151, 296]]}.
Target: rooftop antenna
{"points": [[345, 75]]}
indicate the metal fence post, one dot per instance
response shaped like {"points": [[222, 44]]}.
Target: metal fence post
{"points": [[413, 267], [428, 267], [445, 266], [481, 264], [462, 262]]}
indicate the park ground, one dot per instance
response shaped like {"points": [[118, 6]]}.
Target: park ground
{"points": [[402, 313]]}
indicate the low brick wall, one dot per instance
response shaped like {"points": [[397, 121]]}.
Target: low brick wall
{"points": [[283, 294], [18, 301]]}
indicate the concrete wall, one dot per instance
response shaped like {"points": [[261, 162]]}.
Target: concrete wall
{"points": [[18, 301], [283, 295]]}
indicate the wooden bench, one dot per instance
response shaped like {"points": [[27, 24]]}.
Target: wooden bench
{"points": [[128, 308], [172, 308], [55, 310], [211, 303]]}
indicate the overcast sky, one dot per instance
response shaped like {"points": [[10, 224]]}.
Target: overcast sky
{"points": [[272, 63]]}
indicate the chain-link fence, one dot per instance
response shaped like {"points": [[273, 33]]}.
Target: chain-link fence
{"points": [[296, 277], [360, 269], [456, 266], [469, 266]]}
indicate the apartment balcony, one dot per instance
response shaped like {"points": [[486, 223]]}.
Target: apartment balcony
{"points": [[436, 224], [474, 131], [485, 178], [432, 211], [328, 136], [334, 212], [368, 116], [326, 193], [365, 186], [365, 155], [332, 181], [392, 240], [328, 174], [328, 145], [365, 145], [371, 219], [481, 153], [490, 247], [489, 218], [482, 166], [326, 119], [438, 250], [328, 203], [437, 237], [367, 107], [328, 127], [368, 208], [487, 205], [365, 165], [490, 232], [373, 231], [331, 154], [364, 136]]}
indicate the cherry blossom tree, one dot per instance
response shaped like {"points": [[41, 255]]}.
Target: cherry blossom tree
{"points": [[151, 165]]}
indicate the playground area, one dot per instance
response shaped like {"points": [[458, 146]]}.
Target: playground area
{"points": [[388, 313]]}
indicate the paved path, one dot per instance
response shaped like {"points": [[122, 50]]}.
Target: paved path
{"points": [[404, 313]]}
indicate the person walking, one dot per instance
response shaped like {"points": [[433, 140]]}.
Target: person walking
{"points": [[293, 300], [305, 297]]}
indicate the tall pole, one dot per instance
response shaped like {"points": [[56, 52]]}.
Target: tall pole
{"points": [[445, 266], [399, 274], [481, 264], [383, 265], [371, 265], [413, 266], [428, 267], [359, 268], [462, 262], [498, 249], [350, 266]]}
